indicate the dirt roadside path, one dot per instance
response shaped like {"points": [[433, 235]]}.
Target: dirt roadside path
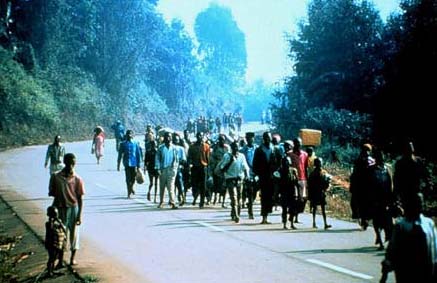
{"points": [[23, 220]]}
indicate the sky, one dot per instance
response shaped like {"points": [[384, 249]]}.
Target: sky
{"points": [[264, 22]]}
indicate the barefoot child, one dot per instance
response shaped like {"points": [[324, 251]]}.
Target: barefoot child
{"points": [[56, 239], [318, 183]]}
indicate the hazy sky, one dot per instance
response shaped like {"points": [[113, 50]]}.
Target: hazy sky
{"points": [[264, 23]]}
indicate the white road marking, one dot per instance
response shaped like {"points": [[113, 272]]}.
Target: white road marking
{"points": [[340, 269], [100, 186], [215, 228]]}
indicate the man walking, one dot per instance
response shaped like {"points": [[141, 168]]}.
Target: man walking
{"points": [[55, 154], [166, 164], [130, 152]]}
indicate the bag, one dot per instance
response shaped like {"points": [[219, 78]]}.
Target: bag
{"points": [[220, 172], [92, 150], [139, 177]]}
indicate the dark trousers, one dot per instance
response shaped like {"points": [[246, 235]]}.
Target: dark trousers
{"points": [[266, 186], [179, 183], [249, 191], [198, 179]]}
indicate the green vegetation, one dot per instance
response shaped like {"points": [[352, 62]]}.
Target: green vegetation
{"points": [[359, 79]]}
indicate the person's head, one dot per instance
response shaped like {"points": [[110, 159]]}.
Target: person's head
{"points": [[167, 138], [57, 139], [176, 138], [250, 138], [186, 134], [288, 145], [221, 140], [234, 147], [310, 151], [408, 148], [118, 122], [318, 162], [413, 206], [297, 143], [129, 135], [69, 160], [199, 137], [242, 142], [366, 149], [276, 138], [267, 138], [52, 212], [98, 130]]}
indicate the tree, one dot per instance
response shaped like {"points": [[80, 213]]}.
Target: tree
{"points": [[334, 53], [406, 100], [222, 48]]}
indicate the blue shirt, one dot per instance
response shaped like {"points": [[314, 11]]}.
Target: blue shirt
{"points": [[169, 156], [130, 152]]}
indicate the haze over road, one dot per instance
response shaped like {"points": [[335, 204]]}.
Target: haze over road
{"points": [[130, 240]]}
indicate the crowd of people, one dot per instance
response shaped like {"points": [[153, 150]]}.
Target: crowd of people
{"points": [[277, 174], [229, 123]]}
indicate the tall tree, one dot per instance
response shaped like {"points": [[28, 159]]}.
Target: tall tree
{"points": [[222, 48], [334, 53], [406, 101]]}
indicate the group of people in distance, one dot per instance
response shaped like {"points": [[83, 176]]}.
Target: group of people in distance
{"points": [[277, 173]]}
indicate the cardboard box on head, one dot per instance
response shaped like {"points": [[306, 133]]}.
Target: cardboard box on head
{"points": [[310, 137]]}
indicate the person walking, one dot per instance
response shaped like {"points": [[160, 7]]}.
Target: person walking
{"points": [[130, 153], [412, 250], [198, 158], [119, 133], [67, 189], [266, 160], [98, 143], [166, 164], [235, 170], [250, 185], [55, 154]]}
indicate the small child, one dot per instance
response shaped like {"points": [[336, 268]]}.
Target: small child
{"points": [[318, 183], [56, 239]]}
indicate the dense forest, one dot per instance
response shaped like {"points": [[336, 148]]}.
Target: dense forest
{"points": [[68, 65]]}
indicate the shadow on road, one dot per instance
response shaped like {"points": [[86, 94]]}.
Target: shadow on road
{"points": [[360, 250]]}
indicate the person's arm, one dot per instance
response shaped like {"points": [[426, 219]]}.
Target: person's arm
{"points": [[47, 157], [80, 206], [120, 155], [158, 160], [52, 186]]}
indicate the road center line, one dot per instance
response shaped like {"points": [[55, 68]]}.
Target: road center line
{"points": [[215, 228], [339, 269]]}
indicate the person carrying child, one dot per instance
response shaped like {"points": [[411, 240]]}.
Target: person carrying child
{"points": [[318, 183], [56, 239]]}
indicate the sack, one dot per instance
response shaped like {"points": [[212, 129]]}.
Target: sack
{"points": [[139, 177], [92, 150]]}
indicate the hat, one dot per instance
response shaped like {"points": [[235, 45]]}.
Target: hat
{"points": [[250, 134]]}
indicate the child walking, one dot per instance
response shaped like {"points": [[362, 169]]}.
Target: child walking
{"points": [[55, 240], [318, 183]]}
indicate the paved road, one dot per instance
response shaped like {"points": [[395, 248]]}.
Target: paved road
{"points": [[130, 240]]}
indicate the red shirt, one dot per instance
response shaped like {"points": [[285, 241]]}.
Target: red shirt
{"points": [[299, 160], [66, 190]]}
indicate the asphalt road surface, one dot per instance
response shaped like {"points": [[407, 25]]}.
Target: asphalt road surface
{"points": [[131, 240]]}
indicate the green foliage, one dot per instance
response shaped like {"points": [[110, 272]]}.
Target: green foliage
{"points": [[334, 56], [406, 100], [222, 48], [341, 126], [27, 107]]}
